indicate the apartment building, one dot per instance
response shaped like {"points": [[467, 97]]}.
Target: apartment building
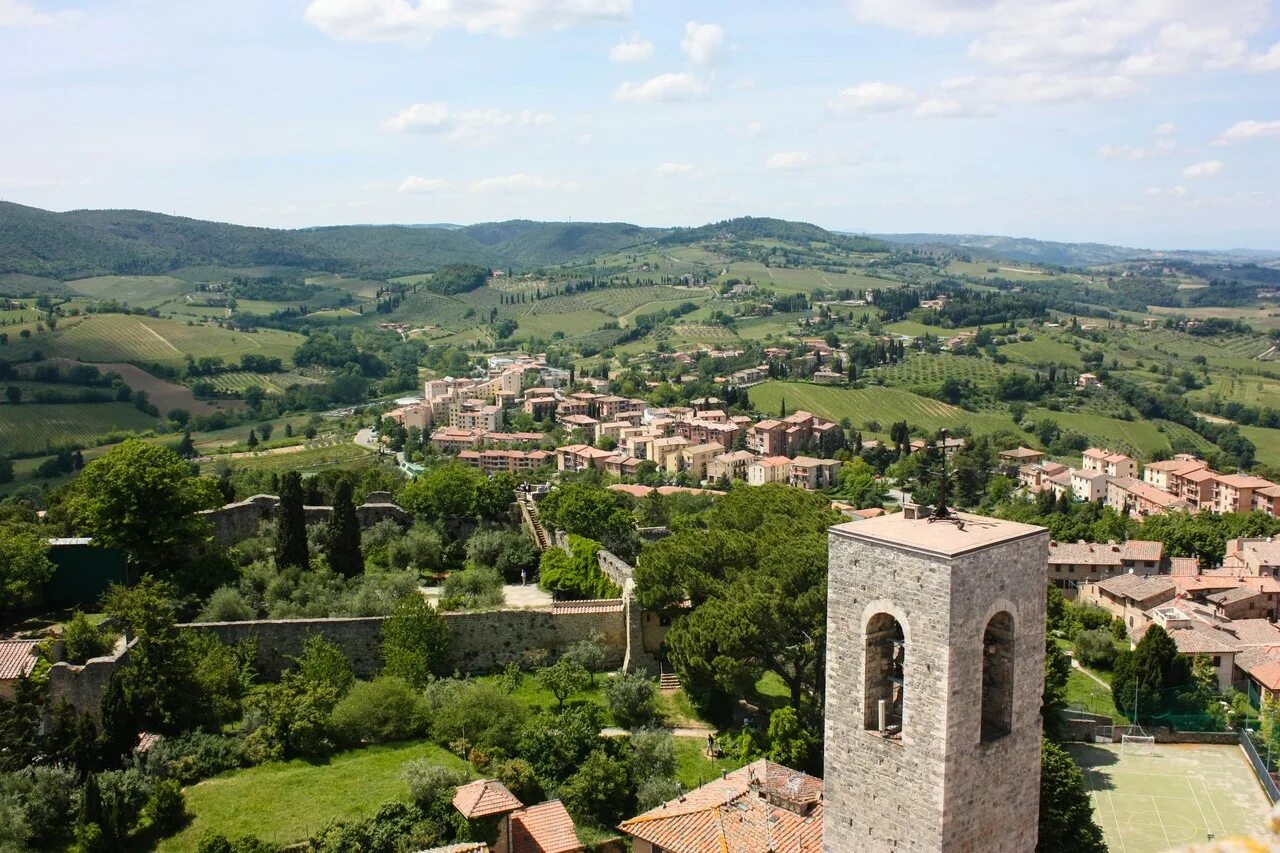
{"points": [[475, 415], [1140, 499], [1075, 563], [730, 465], [1089, 485], [769, 469], [580, 457], [509, 461], [809, 473], [694, 459], [1106, 462], [1234, 492]]}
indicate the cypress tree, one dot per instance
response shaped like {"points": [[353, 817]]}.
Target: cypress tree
{"points": [[343, 545], [291, 524]]}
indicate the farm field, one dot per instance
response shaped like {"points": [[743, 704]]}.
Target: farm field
{"points": [[915, 329], [342, 453], [1267, 441], [1260, 391], [998, 269], [31, 427], [570, 322], [285, 802], [1043, 350], [1141, 436], [920, 369], [1260, 318], [884, 405], [164, 394], [120, 337], [236, 381], [791, 280], [142, 290]]}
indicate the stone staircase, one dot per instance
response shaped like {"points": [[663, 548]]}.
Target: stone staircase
{"points": [[668, 682]]}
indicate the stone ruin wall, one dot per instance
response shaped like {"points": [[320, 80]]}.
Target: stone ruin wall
{"points": [[240, 520]]}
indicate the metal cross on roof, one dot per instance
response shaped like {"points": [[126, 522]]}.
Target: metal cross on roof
{"points": [[940, 510]]}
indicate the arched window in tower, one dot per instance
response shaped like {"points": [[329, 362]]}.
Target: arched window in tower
{"points": [[885, 657], [997, 677]]}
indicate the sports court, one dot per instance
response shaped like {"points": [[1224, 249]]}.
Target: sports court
{"points": [[1160, 796]]}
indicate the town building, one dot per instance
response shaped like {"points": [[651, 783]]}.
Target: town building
{"points": [[730, 465], [1074, 563], [1109, 463], [1013, 460], [806, 472], [769, 469], [1140, 499]]}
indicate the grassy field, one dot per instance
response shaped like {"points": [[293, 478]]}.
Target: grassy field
{"points": [[1174, 796], [885, 405], [1267, 441], [693, 767], [236, 381], [30, 427], [140, 290], [120, 337], [1260, 318], [1043, 350], [285, 802], [788, 280], [341, 454], [919, 369], [1143, 436]]}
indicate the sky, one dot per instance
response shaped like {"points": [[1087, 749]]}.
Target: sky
{"points": [[1149, 123]]}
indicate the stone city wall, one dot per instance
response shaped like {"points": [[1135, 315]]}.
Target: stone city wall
{"points": [[240, 520], [481, 641], [615, 568], [81, 685]]}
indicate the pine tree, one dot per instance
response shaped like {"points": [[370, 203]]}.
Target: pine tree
{"points": [[782, 410], [252, 440], [343, 545], [186, 449], [291, 525]]}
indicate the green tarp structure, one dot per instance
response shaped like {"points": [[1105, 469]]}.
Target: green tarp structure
{"points": [[83, 572]]}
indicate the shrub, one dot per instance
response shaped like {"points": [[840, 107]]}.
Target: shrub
{"points": [[1095, 648], [82, 640], [381, 710], [588, 654], [123, 794], [34, 806], [562, 679], [415, 641], [600, 792], [429, 781], [193, 756], [167, 808], [421, 549], [226, 604], [632, 700], [557, 744], [478, 712], [1091, 616], [472, 589], [216, 842], [289, 719], [324, 663], [653, 792], [505, 551], [518, 777]]}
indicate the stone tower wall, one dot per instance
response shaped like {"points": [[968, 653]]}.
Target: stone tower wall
{"points": [[936, 787]]}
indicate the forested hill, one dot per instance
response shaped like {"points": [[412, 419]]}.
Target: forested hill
{"points": [[97, 242], [1022, 249]]}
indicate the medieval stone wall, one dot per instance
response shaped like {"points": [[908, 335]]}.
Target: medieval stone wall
{"points": [[81, 685], [240, 520], [481, 641]]}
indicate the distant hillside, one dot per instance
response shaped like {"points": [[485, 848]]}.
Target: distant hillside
{"points": [[1022, 248], [764, 228], [83, 243]]}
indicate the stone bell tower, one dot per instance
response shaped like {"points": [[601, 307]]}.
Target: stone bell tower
{"points": [[935, 668]]}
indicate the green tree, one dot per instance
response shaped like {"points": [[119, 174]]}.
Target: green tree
{"points": [[143, 499], [589, 654], [563, 679], [632, 699], [600, 793], [321, 662], [1144, 679], [24, 563], [343, 541], [82, 640], [415, 641], [859, 484], [1066, 813], [1053, 699], [291, 525], [577, 574], [790, 741], [593, 512], [6, 469]]}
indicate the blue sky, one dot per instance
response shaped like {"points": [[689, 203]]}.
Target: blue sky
{"points": [[1151, 122]]}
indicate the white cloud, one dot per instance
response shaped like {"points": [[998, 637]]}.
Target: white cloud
{"points": [[873, 97], [674, 168], [520, 182], [703, 43], [1248, 129], [789, 161], [663, 88], [16, 13], [1041, 88], [405, 20], [949, 108], [634, 49], [1174, 191], [467, 126], [1207, 169], [1165, 129], [754, 129], [416, 184], [1269, 61], [1137, 152]]}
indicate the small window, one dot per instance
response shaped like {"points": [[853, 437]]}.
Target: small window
{"points": [[1217, 660], [997, 677], [884, 676]]}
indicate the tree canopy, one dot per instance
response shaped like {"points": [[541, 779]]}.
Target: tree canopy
{"points": [[143, 499]]}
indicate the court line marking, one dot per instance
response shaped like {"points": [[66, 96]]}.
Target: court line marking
{"points": [[1115, 815], [1156, 806], [1221, 827], [1192, 788]]}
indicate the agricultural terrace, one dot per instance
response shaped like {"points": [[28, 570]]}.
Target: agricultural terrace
{"points": [[919, 369], [237, 381], [884, 405], [312, 459], [32, 427], [122, 337], [146, 291], [1172, 795], [802, 280]]}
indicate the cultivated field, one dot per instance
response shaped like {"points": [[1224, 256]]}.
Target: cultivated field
{"points": [[140, 290], [120, 337], [31, 427], [237, 381], [884, 405]]}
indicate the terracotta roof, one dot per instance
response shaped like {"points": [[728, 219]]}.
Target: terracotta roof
{"points": [[1253, 632], [591, 605], [1243, 481], [772, 461], [1184, 566], [1084, 554], [1021, 453], [1148, 492], [634, 489], [762, 808], [544, 828], [484, 797], [1142, 549], [1195, 638], [17, 658], [464, 847], [1138, 587]]}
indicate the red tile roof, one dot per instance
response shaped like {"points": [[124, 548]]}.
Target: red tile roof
{"points": [[484, 797], [544, 828], [17, 658], [762, 808]]}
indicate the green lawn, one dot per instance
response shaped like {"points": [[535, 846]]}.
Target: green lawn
{"points": [[535, 698], [1084, 692], [285, 802], [693, 768], [885, 405]]}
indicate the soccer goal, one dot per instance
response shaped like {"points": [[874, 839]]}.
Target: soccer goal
{"points": [[1104, 734], [1139, 745]]}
